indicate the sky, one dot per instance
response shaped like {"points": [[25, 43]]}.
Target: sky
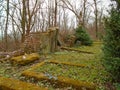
{"points": [[105, 4]]}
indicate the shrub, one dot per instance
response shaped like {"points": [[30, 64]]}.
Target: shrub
{"points": [[83, 36], [112, 44]]}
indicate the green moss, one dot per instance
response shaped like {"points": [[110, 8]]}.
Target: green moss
{"points": [[73, 72], [58, 68], [96, 74], [61, 80], [66, 63], [92, 61], [25, 59], [77, 50], [62, 70], [12, 84]]}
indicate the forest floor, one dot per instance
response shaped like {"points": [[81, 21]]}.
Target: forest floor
{"points": [[94, 73]]}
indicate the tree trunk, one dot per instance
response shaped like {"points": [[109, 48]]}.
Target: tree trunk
{"points": [[96, 18], [55, 23], [6, 26], [23, 23], [84, 12]]}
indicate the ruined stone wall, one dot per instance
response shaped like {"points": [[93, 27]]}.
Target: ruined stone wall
{"points": [[42, 42]]}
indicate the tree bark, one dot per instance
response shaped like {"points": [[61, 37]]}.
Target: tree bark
{"points": [[96, 18], [23, 22], [84, 12], [6, 26], [55, 23]]}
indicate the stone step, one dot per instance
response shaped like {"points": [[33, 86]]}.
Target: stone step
{"points": [[12, 84]]}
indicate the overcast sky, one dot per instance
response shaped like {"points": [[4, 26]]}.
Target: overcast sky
{"points": [[106, 1], [104, 4]]}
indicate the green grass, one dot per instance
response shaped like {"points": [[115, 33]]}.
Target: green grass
{"points": [[75, 57], [95, 72], [73, 72]]}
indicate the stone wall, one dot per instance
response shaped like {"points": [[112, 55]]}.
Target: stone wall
{"points": [[42, 42]]}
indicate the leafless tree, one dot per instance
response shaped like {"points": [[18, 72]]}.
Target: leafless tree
{"points": [[56, 5], [25, 16], [26, 11], [84, 11], [96, 18], [6, 25], [81, 11]]}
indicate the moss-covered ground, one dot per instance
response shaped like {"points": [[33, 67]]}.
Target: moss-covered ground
{"points": [[95, 71], [64, 70]]}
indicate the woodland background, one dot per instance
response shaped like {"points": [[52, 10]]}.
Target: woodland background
{"points": [[19, 18]]}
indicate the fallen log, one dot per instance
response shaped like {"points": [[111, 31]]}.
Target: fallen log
{"points": [[13, 84], [25, 59], [8, 55], [71, 49]]}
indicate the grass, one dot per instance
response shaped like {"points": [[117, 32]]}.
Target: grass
{"points": [[64, 70], [94, 73], [75, 57]]}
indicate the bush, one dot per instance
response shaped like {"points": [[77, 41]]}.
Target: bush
{"points": [[112, 44], [83, 36]]}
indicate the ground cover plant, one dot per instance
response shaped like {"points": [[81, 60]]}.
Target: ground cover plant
{"points": [[95, 72], [74, 72], [91, 60], [64, 34]]}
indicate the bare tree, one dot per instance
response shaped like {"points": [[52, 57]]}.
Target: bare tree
{"points": [[26, 12], [2, 19], [27, 16], [79, 11], [55, 22], [23, 21], [14, 32], [6, 25], [96, 17], [84, 11]]}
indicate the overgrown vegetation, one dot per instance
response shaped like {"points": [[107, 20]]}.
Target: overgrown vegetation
{"points": [[95, 72], [112, 43], [28, 26], [83, 36], [73, 72]]}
